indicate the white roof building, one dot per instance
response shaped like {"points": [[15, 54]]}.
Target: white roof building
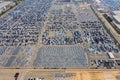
{"points": [[111, 55], [117, 16], [4, 4]]}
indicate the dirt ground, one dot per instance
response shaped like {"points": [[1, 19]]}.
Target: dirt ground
{"points": [[49, 74]]}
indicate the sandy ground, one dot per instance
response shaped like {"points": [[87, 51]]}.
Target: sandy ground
{"points": [[48, 74]]}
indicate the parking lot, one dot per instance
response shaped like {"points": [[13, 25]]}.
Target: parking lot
{"points": [[19, 32], [62, 27], [22, 26], [61, 57], [38, 31]]}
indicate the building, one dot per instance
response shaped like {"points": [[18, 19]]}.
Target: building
{"points": [[6, 5], [111, 56], [116, 16]]}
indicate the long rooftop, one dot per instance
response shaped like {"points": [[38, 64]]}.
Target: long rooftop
{"points": [[2, 4]]}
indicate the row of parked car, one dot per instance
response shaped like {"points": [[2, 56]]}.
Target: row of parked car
{"points": [[35, 78], [103, 63]]}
